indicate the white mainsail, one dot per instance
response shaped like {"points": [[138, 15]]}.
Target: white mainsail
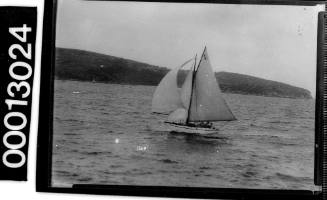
{"points": [[166, 97], [207, 103]]}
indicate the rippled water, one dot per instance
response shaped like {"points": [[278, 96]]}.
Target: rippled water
{"points": [[106, 134]]}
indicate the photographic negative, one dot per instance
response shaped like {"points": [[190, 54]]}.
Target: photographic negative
{"points": [[204, 95]]}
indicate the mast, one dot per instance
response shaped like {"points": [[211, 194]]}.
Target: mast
{"points": [[192, 86], [189, 106], [201, 57]]}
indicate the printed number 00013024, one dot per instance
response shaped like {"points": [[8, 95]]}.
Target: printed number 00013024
{"points": [[20, 71]]}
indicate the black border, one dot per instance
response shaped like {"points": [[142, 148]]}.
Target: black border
{"points": [[44, 143], [44, 139], [319, 101]]}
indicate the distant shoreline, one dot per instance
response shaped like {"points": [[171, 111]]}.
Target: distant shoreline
{"points": [[247, 94], [73, 64]]}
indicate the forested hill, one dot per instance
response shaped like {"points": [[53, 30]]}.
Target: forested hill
{"points": [[72, 64]]}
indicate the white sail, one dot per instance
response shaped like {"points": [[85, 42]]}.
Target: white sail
{"points": [[181, 113], [178, 116], [187, 89], [166, 97], [207, 103]]}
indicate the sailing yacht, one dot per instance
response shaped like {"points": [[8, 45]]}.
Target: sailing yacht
{"points": [[199, 102]]}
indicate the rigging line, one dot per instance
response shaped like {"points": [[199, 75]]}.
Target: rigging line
{"points": [[189, 106], [193, 84], [203, 55]]}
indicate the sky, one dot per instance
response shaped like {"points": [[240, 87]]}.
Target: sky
{"points": [[275, 42]]}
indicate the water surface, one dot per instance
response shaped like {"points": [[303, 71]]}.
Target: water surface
{"points": [[106, 134]]}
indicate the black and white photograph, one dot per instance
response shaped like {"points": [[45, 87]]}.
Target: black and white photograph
{"points": [[205, 95]]}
